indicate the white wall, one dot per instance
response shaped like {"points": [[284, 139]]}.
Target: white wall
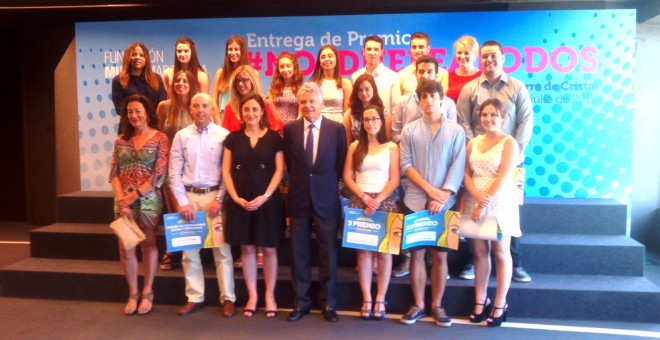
{"points": [[645, 225]]}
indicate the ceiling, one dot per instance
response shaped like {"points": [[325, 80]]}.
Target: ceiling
{"points": [[48, 12]]}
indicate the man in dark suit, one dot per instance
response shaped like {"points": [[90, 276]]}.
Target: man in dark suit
{"points": [[314, 152]]}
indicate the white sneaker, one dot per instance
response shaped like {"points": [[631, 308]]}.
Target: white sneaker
{"points": [[468, 272]]}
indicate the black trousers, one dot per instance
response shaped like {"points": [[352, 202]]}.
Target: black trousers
{"points": [[301, 245]]}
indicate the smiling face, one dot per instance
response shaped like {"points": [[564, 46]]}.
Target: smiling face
{"points": [[463, 56], [425, 71], [418, 48], [372, 52], [183, 53], [491, 119], [309, 105], [201, 109], [285, 66], [243, 83], [492, 61], [234, 52], [365, 93], [181, 85], [371, 122], [138, 58], [328, 59], [137, 115], [252, 113]]}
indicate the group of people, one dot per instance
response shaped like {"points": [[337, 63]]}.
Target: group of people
{"points": [[431, 138]]}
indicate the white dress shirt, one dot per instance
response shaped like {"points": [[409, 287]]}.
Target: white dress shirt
{"points": [[196, 159]]}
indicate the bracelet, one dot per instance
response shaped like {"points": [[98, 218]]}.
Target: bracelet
{"points": [[267, 195]]}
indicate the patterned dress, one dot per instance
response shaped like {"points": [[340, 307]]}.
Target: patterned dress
{"points": [[133, 168], [485, 167], [356, 125], [287, 106]]}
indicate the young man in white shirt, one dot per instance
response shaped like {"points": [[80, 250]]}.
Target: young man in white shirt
{"points": [[420, 44]]}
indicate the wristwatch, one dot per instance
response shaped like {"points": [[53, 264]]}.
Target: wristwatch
{"points": [[219, 199], [267, 195]]}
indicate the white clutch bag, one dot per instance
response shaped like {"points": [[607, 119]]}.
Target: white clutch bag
{"points": [[128, 232], [486, 229]]}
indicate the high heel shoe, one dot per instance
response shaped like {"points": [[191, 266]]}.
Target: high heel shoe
{"points": [[493, 321], [365, 312], [477, 318], [379, 314]]}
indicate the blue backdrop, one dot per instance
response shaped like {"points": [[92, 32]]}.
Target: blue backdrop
{"points": [[578, 67]]}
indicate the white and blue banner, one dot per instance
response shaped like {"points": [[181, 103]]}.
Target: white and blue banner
{"points": [[181, 234], [380, 232], [438, 230], [578, 67]]}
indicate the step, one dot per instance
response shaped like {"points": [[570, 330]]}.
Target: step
{"points": [[542, 253], [84, 241], [85, 207], [576, 297], [592, 216], [582, 254], [91, 241]]}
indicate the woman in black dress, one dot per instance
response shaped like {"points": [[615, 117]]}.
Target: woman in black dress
{"points": [[252, 168]]}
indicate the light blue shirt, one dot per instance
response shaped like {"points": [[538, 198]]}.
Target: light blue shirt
{"points": [[439, 159], [409, 108], [196, 159]]}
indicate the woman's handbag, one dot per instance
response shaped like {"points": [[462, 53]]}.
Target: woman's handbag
{"points": [[485, 229], [128, 232]]}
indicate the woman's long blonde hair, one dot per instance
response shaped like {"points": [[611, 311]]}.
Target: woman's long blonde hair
{"points": [[235, 97]]}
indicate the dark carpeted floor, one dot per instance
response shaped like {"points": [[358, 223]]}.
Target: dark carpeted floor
{"points": [[34, 318]]}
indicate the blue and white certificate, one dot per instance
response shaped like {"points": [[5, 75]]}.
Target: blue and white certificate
{"points": [[379, 232], [199, 233], [423, 229]]}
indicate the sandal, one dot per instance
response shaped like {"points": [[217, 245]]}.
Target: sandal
{"points": [[496, 321], [365, 312], [248, 313], [166, 262], [271, 313], [477, 318], [144, 310], [379, 314], [131, 306]]}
